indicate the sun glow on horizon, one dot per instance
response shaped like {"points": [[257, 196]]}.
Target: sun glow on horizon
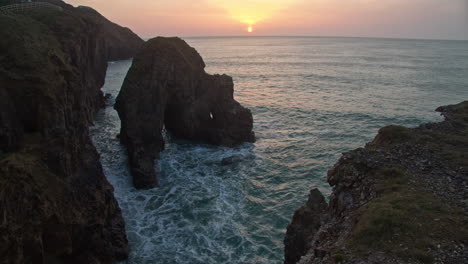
{"points": [[253, 11], [351, 18]]}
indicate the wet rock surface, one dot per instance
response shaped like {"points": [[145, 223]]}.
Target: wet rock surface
{"points": [[401, 199], [56, 205], [167, 87]]}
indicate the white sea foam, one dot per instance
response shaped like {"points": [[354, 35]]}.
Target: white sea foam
{"points": [[312, 99]]}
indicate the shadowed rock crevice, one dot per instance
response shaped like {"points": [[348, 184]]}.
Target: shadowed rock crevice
{"points": [[167, 86]]}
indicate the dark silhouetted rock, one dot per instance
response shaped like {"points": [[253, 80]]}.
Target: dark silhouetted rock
{"points": [[167, 86], [405, 190], [56, 206], [306, 221]]}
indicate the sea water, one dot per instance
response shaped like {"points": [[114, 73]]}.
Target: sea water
{"points": [[312, 99]]}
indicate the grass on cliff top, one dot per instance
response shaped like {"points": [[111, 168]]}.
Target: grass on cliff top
{"points": [[452, 147], [405, 221], [449, 141]]}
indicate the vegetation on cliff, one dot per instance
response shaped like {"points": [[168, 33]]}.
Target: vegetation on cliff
{"points": [[401, 199]]}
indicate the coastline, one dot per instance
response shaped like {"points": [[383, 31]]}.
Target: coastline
{"points": [[387, 196], [400, 199], [56, 204]]}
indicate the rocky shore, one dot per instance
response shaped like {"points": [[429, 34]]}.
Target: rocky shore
{"points": [[56, 206], [167, 87], [401, 199]]}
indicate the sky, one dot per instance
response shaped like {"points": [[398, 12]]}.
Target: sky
{"points": [[426, 19]]}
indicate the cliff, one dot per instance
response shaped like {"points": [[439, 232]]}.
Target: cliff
{"points": [[56, 206], [401, 199], [167, 87]]}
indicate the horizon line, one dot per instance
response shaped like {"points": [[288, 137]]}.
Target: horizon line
{"points": [[303, 36]]}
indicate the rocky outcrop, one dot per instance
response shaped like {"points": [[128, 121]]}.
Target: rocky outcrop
{"points": [[167, 87], [401, 199], [117, 43], [56, 206], [305, 223]]}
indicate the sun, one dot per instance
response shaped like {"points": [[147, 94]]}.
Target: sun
{"points": [[250, 29]]}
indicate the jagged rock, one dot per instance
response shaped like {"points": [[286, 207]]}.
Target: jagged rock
{"points": [[392, 199], [167, 86], [306, 221], [56, 205]]}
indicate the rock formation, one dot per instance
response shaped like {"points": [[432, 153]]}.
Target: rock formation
{"points": [[56, 206], [167, 87], [305, 223], [401, 199]]}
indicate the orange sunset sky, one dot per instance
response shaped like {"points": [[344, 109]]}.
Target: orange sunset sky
{"points": [[433, 19]]}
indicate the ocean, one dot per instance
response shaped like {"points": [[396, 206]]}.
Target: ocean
{"points": [[312, 99]]}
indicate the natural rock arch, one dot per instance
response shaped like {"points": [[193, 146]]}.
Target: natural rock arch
{"points": [[167, 86]]}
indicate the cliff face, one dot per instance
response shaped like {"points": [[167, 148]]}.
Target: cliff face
{"points": [[167, 86], [401, 199], [56, 205]]}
